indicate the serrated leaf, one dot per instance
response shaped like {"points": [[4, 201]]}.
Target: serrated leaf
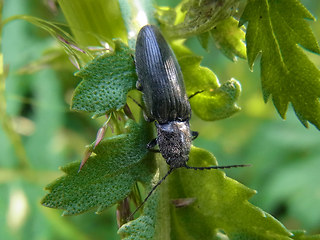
{"points": [[204, 40], [200, 17], [106, 81], [166, 15], [146, 221], [301, 235], [276, 28], [107, 177], [153, 219], [221, 204], [132, 230], [229, 38], [217, 101]]}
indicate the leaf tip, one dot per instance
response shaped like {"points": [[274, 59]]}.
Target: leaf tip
{"points": [[302, 119], [265, 95]]}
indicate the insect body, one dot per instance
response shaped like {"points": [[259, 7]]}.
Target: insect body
{"points": [[161, 81]]}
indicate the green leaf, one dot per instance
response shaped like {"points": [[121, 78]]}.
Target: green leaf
{"points": [[92, 23], [106, 81], [290, 155], [67, 41], [204, 40], [146, 221], [136, 15], [199, 17], [106, 178], [229, 38], [133, 229], [276, 28], [221, 204], [156, 211], [217, 101], [301, 235]]}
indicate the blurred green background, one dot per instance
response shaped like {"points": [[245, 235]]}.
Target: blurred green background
{"points": [[43, 134]]}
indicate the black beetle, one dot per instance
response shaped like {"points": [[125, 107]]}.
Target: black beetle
{"points": [[161, 81]]}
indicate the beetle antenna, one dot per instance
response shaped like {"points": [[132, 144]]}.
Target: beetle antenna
{"points": [[216, 167], [149, 194]]}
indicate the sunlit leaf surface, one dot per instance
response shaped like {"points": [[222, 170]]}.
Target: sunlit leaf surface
{"points": [[278, 30]]}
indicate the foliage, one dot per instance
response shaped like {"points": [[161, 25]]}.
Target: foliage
{"points": [[107, 178], [217, 101], [286, 72], [107, 80], [219, 208]]}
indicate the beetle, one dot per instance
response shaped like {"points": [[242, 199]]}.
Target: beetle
{"points": [[165, 101]]}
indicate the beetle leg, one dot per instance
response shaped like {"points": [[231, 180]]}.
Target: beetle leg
{"points": [[146, 117], [154, 150], [151, 145], [194, 135], [196, 93], [133, 59], [138, 85]]}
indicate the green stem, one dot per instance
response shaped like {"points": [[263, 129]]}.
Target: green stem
{"points": [[136, 14]]}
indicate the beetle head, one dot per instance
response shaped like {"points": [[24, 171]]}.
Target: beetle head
{"points": [[174, 140]]}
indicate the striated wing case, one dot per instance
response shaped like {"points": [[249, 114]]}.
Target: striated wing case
{"points": [[160, 78]]}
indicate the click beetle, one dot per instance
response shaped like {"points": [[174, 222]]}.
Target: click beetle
{"points": [[161, 81], [166, 102]]}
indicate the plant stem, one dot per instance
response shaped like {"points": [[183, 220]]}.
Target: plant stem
{"points": [[136, 14]]}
